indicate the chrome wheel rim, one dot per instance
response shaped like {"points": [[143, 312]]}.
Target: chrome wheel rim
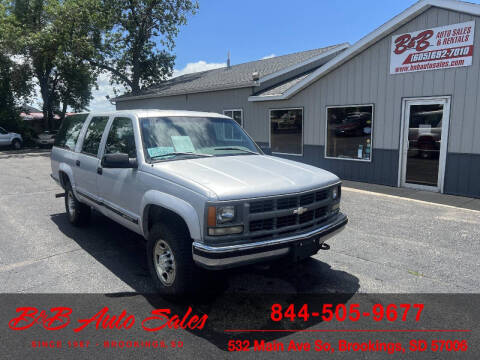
{"points": [[71, 208], [164, 262]]}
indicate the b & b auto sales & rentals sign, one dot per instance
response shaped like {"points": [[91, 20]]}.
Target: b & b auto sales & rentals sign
{"points": [[437, 48]]}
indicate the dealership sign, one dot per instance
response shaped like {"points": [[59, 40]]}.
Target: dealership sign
{"points": [[431, 49]]}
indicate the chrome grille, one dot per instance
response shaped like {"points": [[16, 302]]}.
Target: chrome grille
{"points": [[307, 199], [287, 203], [306, 217], [258, 225], [261, 206], [275, 216]]}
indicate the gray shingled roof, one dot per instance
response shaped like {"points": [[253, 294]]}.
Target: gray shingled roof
{"points": [[279, 89], [236, 76]]}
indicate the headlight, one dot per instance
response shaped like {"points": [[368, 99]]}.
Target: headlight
{"points": [[225, 214], [336, 192], [222, 220]]}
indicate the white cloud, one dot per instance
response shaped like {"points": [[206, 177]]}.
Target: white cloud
{"points": [[268, 56], [197, 67], [100, 102]]}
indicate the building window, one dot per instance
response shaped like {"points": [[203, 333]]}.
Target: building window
{"points": [[286, 135], [236, 114], [349, 132], [230, 131]]}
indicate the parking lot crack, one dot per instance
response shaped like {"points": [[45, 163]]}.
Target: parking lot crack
{"points": [[9, 267], [408, 271]]}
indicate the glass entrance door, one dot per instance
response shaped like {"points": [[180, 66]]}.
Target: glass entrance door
{"points": [[424, 143]]}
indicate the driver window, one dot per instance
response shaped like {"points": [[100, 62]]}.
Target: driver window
{"points": [[121, 138]]}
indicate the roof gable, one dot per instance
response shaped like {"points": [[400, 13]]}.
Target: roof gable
{"points": [[370, 39], [236, 76]]}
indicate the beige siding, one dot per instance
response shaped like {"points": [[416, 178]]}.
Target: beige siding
{"points": [[208, 101]]}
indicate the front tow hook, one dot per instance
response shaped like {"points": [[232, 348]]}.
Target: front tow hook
{"points": [[324, 246]]}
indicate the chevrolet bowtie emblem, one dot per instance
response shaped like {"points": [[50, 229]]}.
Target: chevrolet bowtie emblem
{"points": [[300, 210]]}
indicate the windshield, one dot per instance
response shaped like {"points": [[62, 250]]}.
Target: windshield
{"points": [[177, 137]]}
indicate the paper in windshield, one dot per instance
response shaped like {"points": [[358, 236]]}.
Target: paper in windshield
{"points": [[160, 150], [183, 144]]}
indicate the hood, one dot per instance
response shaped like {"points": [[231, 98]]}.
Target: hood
{"points": [[247, 176]]}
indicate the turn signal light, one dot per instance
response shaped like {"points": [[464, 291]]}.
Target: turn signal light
{"points": [[212, 216]]}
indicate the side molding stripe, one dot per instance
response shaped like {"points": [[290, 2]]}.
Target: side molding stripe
{"points": [[100, 203]]}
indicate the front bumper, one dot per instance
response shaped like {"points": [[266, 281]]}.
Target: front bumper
{"points": [[44, 141], [222, 257]]}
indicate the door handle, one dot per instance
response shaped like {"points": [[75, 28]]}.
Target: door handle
{"points": [[77, 162], [99, 171]]}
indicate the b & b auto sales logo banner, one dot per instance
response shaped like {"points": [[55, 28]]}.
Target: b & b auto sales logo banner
{"points": [[240, 325], [437, 48]]}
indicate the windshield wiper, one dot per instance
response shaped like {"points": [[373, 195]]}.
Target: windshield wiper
{"points": [[179, 153], [235, 148]]}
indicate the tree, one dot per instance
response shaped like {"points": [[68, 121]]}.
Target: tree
{"points": [[136, 46], [74, 88], [15, 84], [67, 43], [46, 33], [15, 87]]}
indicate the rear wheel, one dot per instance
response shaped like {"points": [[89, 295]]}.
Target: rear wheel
{"points": [[77, 212], [169, 257], [16, 144]]}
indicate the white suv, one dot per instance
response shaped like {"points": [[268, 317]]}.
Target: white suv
{"points": [[200, 198], [10, 139]]}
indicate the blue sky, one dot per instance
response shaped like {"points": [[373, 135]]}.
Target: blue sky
{"points": [[253, 29]]}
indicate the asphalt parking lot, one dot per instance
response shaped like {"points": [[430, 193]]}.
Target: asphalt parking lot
{"points": [[391, 244]]}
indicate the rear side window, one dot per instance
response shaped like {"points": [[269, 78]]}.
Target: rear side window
{"points": [[120, 138], [94, 134], [69, 131]]}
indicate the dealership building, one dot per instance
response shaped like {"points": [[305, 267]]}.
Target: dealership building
{"points": [[400, 107]]}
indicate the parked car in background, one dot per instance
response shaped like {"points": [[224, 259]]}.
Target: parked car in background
{"points": [[425, 134], [200, 199], [46, 138], [10, 139], [355, 124]]}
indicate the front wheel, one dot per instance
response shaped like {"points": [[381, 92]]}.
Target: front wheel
{"points": [[169, 257], [16, 144]]}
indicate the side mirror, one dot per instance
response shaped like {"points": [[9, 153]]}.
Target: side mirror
{"points": [[119, 161]]}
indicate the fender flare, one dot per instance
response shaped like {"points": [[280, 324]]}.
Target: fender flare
{"points": [[180, 207], [67, 170]]}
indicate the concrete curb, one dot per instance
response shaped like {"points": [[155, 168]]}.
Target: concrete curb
{"points": [[23, 153], [420, 196]]}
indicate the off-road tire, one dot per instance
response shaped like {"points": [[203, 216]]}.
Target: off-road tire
{"points": [[77, 213]]}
